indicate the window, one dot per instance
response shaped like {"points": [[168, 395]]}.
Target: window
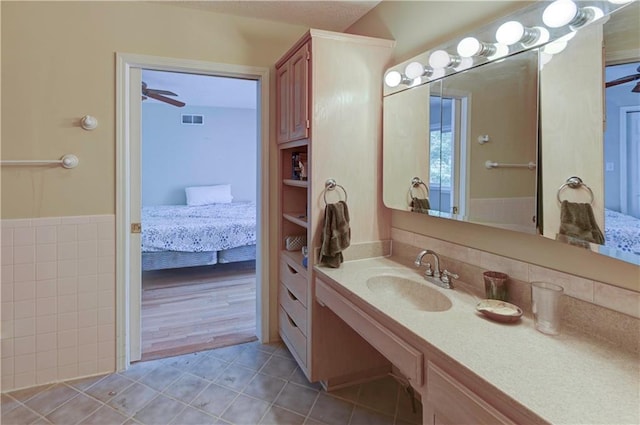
{"points": [[192, 119]]}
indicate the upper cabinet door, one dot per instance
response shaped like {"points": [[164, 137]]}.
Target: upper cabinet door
{"points": [[282, 102], [299, 96]]}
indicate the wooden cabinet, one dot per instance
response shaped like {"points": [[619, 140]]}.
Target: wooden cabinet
{"points": [[316, 74], [293, 96], [449, 402]]}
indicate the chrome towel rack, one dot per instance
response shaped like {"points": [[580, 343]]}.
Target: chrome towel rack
{"points": [[415, 183], [490, 164], [331, 184], [67, 161], [574, 183]]}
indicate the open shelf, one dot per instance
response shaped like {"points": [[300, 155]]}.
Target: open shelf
{"points": [[299, 218], [294, 255], [296, 183]]}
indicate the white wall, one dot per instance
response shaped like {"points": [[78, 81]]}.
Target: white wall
{"points": [[176, 155]]}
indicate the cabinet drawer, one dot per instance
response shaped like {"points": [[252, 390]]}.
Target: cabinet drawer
{"points": [[292, 276], [290, 333], [456, 404], [293, 307], [406, 358]]}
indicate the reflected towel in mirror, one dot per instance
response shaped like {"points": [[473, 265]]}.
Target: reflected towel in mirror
{"points": [[578, 222], [420, 205]]}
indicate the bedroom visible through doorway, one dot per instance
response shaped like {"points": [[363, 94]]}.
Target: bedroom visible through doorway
{"points": [[198, 196]]}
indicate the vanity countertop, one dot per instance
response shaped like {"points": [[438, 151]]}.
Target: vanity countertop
{"points": [[569, 378]]}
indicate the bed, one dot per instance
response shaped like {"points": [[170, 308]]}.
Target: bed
{"points": [[186, 236], [622, 231]]}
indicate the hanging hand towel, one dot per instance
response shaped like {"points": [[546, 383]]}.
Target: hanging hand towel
{"points": [[578, 222], [336, 234], [420, 205]]}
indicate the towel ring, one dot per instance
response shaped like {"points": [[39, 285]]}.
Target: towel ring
{"points": [[416, 182], [575, 183], [331, 184]]}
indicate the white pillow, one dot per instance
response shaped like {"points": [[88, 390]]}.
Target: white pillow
{"points": [[206, 195]]}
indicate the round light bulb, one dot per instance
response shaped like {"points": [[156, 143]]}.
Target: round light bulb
{"points": [[510, 33], [393, 79], [555, 47], [414, 70], [559, 13], [439, 59], [469, 47]]}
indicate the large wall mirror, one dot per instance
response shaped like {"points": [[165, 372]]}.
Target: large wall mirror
{"points": [[497, 144]]}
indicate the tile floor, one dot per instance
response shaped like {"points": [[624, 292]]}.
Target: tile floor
{"points": [[243, 384]]}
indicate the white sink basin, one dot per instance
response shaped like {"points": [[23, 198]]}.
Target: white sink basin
{"points": [[409, 293]]}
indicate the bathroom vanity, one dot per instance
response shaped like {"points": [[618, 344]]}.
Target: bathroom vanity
{"points": [[468, 369]]}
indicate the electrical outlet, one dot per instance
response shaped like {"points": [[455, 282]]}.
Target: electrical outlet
{"points": [[609, 166]]}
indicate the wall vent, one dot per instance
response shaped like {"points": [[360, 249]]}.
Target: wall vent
{"points": [[191, 119]]}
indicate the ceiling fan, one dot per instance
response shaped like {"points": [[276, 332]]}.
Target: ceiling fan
{"points": [[627, 79], [160, 95]]}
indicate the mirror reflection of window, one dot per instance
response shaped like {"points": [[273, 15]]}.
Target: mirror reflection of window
{"points": [[622, 157], [447, 142]]}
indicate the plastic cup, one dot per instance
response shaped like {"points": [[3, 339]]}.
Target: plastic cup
{"points": [[495, 285], [545, 303]]}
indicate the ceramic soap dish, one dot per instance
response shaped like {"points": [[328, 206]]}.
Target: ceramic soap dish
{"points": [[499, 311]]}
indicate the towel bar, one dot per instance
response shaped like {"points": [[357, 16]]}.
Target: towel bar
{"points": [[67, 161], [574, 183], [416, 182], [490, 164], [331, 184]]}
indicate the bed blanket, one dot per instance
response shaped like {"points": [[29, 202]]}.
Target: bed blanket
{"points": [[622, 231], [198, 228]]}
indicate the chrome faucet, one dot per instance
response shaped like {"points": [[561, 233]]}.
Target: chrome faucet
{"points": [[429, 272], [445, 276]]}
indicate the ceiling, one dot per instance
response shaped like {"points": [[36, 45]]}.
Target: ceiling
{"points": [[325, 15], [201, 90]]}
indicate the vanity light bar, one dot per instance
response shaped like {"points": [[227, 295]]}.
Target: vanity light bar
{"points": [[540, 24]]}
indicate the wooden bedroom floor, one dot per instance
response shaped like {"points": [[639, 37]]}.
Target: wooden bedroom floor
{"points": [[197, 308]]}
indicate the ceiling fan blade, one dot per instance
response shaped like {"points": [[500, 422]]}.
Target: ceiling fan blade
{"points": [[144, 97], [622, 80], [166, 99], [162, 92]]}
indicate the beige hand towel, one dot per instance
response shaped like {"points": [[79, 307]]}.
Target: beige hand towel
{"points": [[336, 234]]}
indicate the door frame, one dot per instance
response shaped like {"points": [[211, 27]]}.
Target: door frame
{"points": [[128, 313], [622, 135]]}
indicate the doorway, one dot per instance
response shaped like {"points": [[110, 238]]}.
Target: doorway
{"points": [[198, 195], [129, 196]]}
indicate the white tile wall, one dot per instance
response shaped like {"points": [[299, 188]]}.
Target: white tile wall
{"points": [[598, 293], [58, 299]]}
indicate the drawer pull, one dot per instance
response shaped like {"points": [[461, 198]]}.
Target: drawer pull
{"points": [[291, 296], [292, 270], [291, 322]]}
